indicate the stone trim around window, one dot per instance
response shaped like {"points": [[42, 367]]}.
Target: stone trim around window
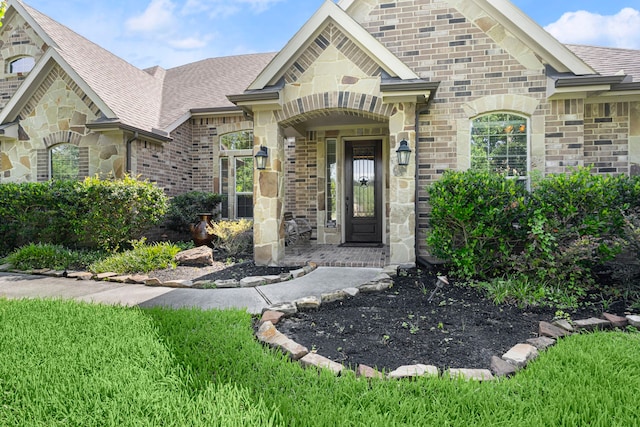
{"points": [[516, 104]]}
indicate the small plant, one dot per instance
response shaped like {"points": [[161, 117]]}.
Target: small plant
{"points": [[143, 258], [562, 315], [385, 339], [233, 237]]}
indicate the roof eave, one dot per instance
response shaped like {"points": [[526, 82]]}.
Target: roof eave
{"points": [[110, 125]]}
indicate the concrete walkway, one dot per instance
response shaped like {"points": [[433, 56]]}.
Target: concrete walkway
{"points": [[254, 300]]}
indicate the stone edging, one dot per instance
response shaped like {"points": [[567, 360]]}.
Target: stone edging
{"points": [[512, 361], [141, 279]]}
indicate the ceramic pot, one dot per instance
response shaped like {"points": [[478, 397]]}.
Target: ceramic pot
{"points": [[199, 231]]}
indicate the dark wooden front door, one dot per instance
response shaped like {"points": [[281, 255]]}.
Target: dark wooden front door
{"points": [[363, 192]]}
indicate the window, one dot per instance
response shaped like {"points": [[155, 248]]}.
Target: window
{"points": [[236, 174], [499, 143], [332, 183], [65, 162], [244, 187], [237, 141], [22, 65]]}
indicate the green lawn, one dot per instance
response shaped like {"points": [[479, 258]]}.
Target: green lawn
{"points": [[64, 363]]}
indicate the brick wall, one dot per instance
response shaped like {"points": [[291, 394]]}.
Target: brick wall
{"points": [[606, 137], [168, 164], [206, 148]]}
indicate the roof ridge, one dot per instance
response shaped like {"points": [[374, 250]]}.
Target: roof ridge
{"points": [[591, 46]]}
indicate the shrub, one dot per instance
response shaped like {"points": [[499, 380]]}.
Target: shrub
{"points": [[143, 258], [55, 257], [233, 237], [93, 213], [184, 209], [488, 228], [119, 211], [39, 212], [476, 221]]}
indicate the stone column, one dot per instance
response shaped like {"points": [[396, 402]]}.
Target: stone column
{"points": [[268, 192], [402, 191]]}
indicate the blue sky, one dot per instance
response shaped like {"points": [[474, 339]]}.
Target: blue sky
{"points": [[176, 32]]}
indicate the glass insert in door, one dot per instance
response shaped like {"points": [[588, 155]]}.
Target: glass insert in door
{"points": [[364, 182]]}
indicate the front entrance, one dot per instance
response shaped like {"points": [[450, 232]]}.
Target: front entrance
{"points": [[363, 191]]}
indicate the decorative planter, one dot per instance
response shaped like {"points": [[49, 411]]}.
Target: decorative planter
{"points": [[199, 231]]}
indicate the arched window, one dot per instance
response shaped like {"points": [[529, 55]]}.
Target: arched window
{"points": [[22, 65], [499, 143], [242, 140], [64, 162]]}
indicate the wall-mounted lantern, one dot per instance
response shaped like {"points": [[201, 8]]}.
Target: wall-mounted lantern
{"points": [[261, 158], [404, 153]]}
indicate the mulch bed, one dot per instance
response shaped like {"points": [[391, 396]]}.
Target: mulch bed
{"points": [[459, 328]]}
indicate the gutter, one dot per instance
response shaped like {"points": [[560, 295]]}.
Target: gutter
{"points": [[588, 81]]}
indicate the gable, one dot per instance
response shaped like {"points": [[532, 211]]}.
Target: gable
{"points": [[504, 23], [62, 85], [335, 44], [58, 105], [351, 34]]}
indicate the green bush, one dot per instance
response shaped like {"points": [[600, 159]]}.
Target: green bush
{"points": [[45, 255], [476, 221], [489, 229], [233, 237], [39, 212], [93, 213], [184, 209], [143, 258], [120, 210]]}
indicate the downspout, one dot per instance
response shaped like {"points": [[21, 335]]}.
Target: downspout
{"points": [[419, 260], [129, 142]]}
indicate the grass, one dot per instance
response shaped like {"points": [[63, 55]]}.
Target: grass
{"points": [[56, 257], [65, 363]]}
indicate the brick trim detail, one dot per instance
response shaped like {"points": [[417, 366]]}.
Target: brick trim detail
{"points": [[62, 137], [328, 103]]}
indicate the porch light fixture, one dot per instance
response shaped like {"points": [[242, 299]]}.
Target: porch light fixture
{"points": [[261, 158], [404, 153]]}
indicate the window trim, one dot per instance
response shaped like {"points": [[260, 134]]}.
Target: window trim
{"points": [[526, 178], [50, 160]]}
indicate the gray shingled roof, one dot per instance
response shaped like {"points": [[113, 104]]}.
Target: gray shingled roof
{"points": [[132, 94], [152, 98], [610, 61], [206, 84]]}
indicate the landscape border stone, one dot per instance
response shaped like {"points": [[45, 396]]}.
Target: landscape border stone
{"points": [[517, 358], [152, 281]]}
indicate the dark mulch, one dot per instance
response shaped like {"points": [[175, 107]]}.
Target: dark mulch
{"points": [[459, 328]]}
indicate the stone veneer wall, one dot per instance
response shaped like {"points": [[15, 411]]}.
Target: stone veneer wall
{"points": [[57, 113], [17, 39]]}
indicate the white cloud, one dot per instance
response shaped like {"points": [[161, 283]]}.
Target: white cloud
{"points": [[620, 30], [190, 43], [157, 16], [226, 8]]}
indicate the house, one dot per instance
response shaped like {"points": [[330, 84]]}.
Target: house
{"points": [[460, 83]]}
